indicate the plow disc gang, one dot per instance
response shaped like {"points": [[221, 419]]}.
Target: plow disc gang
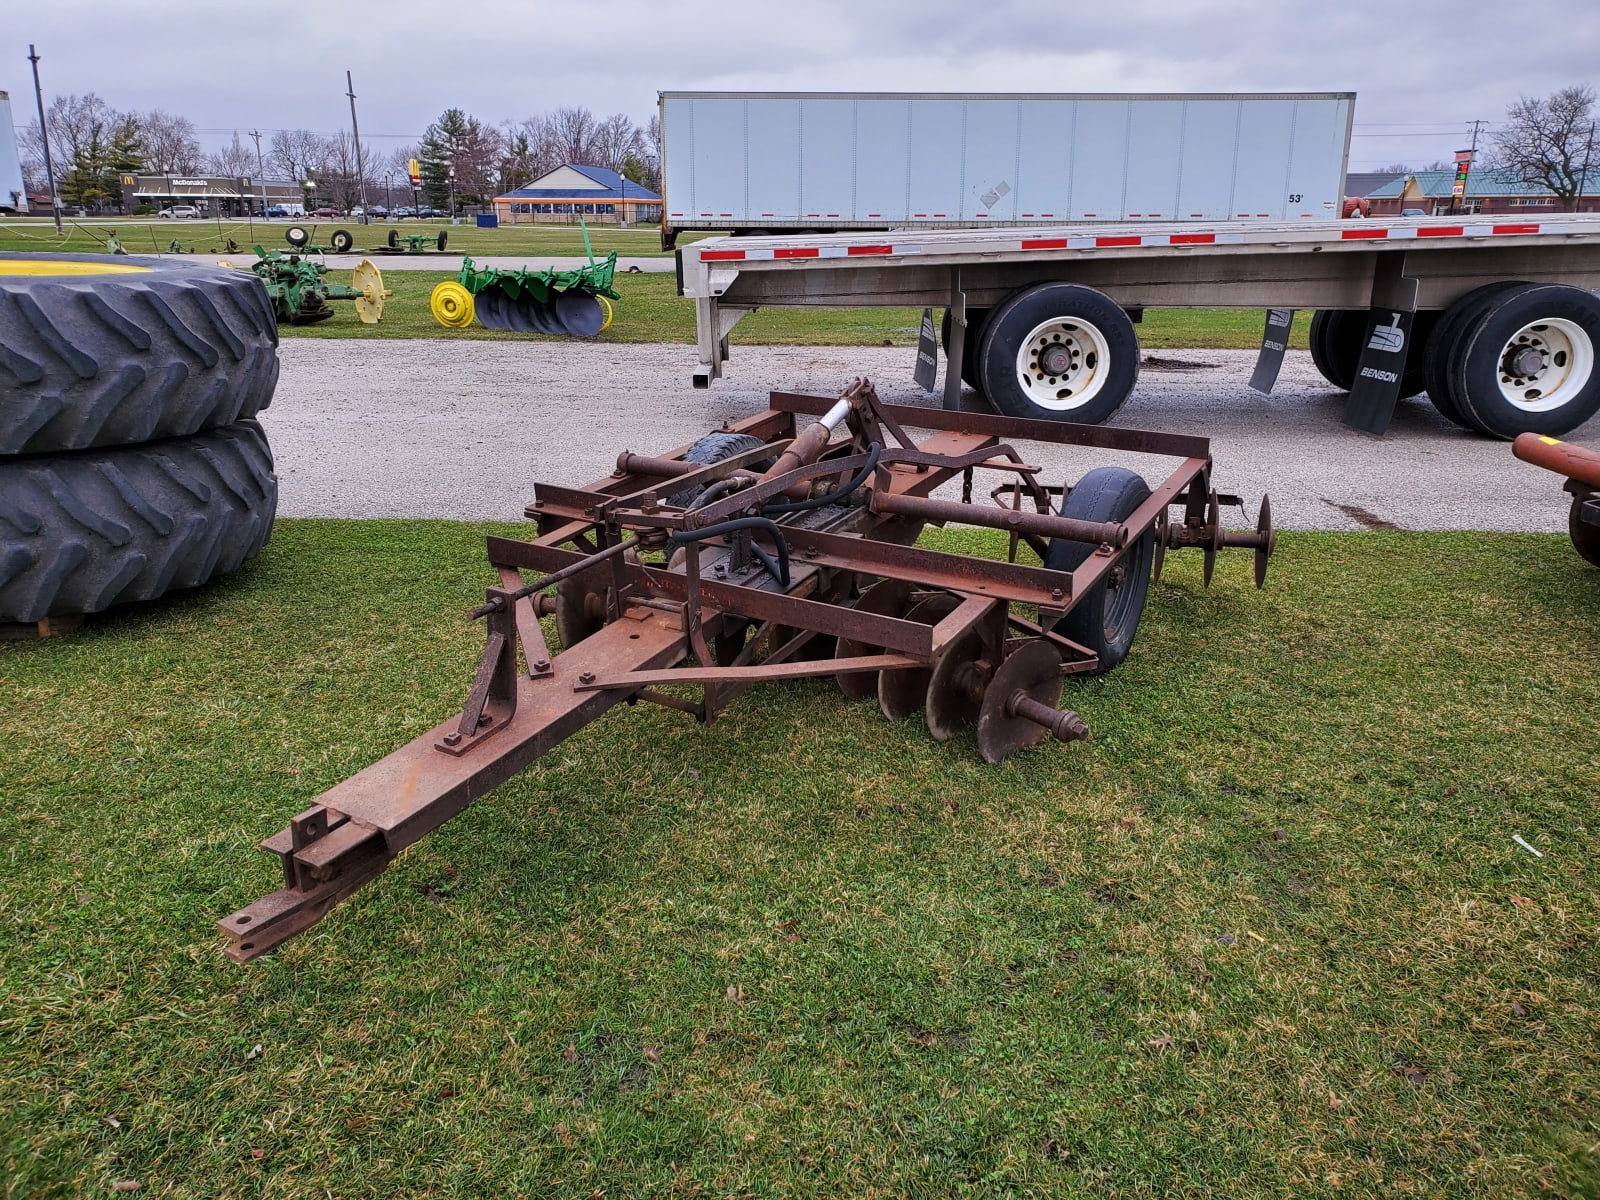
{"points": [[778, 548]]}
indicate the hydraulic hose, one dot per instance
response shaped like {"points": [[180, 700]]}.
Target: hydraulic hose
{"points": [[833, 497], [779, 570]]}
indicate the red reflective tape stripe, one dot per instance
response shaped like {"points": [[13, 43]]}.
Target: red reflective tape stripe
{"points": [[795, 252], [1118, 241], [1044, 243], [1516, 229], [1441, 231], [1361, 235], [870, 250], [1193, 239], [719, 255]]}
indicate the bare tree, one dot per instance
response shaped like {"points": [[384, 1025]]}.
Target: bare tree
{"points": [[77, 124], [339, 166], [1551, 142], [235, 160], [295, 152], [614, 140], [169, 143], [571, 132]]}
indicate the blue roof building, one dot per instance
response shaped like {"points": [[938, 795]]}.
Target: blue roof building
{"points": [[560, 196]]}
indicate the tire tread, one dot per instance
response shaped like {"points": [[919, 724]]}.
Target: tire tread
{"points": [[80, 532], [108, 360]]}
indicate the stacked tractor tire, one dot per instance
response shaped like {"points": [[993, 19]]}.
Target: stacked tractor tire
{"points": [[130, 461]]}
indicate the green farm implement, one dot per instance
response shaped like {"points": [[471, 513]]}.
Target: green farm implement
{"points": [[299, 237], [576, 302], [413, 243], [300, 291]]}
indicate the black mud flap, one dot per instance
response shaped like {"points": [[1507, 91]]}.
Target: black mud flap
{"points": [[1383, 363], [1274, 341]]}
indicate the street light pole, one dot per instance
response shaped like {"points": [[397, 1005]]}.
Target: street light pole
{"points": [[452, 191], [44, 136]]}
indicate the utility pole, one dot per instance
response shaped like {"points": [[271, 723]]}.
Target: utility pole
{"points": [[261, 170], [361, 171], [44, 136]]}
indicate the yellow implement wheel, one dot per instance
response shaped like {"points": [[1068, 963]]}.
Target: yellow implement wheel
{"points": [[368, 280], [605, 307], [452, 305]]}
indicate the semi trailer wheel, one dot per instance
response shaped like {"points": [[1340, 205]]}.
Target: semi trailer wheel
{"points": [[100, 351], [80, 532], [1059, 352], [1338, 338], [1523, 361], [969, 356], [1106, 619], [1436, 353]]}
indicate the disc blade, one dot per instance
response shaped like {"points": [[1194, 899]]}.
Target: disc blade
{"points": [[490, 305], [885, 598], [580, 313], [902, 692], [545, 320]]}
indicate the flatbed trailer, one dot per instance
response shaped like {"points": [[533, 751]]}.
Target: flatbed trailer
{"points": [[1496, 318]]}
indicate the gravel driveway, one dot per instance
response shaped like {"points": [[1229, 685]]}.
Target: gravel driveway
{"points": [[439, 428]]}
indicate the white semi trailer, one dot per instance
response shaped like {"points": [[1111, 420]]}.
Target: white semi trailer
{"points": [[1046, 224], [764, 162], [1496, 318], [13, 193]]}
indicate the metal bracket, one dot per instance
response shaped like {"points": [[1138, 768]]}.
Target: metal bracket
{"points": [[493, 699]]}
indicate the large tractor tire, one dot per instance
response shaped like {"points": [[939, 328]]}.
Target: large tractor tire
{"points": [[83, 531], [100, 351]]}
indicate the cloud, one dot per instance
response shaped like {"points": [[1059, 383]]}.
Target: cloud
{"points": [[1422, 76]]}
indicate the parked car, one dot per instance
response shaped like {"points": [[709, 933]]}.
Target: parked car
{"points": [[278, 210], [325, 212], [1412, 212], [180, 212], [377, 210]]}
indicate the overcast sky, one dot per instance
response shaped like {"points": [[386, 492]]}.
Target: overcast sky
{"points": [[1422, 72]]}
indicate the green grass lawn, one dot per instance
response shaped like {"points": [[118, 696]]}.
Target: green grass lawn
{"points": [[87, 235], [651, 311], [1267, 934]]}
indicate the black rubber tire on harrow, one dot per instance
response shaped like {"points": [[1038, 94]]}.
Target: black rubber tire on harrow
{"points": [[341, 241], [444, 238], [297, 236], [1585, 537], [713, 448], [115, 358], [81, 532], [1106, 619], [394, 238]]}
